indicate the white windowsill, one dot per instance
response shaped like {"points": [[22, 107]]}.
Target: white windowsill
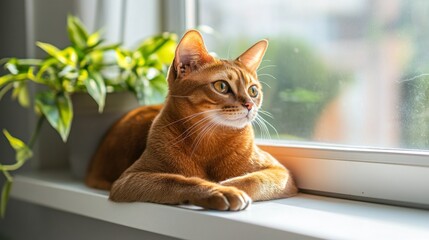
{"points": [[302, 217]]}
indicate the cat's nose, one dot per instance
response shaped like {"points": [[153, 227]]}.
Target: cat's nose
{"points": [[248, 105]]}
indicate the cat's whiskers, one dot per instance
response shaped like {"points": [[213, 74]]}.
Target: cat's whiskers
{"points": [[265, 133], [191, 130], [266, 113], [196, 127], [266, 84], [268, 75], [256, 121], [265, 123], [201, 135], [267, 66]]}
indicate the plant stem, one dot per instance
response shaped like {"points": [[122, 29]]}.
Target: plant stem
{"points": [[8, 176]]}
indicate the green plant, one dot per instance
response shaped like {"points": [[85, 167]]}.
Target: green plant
{"points": [[81, 67]]}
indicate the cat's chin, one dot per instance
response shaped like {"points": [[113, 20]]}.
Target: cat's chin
{"points": [[235, 123]]}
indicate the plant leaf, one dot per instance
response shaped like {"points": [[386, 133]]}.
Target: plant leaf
{"points": [[14, 142], [6, 79], [30, 74], [95, 58], [21, 92], [23, 152], [21, 66], [166, 52], [154, 44], [124, 60], [71, 56], [29, 62], [12, 78], [58, 110], [159, 88], [159, 84], [53, 51], [77, 32], [96, 87], [65, 106], [11, 66], [108, 47], [5, 197], [93, 39], [45, 66]]}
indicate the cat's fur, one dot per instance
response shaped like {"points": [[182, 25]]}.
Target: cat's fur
{"points": [[200, 148]]}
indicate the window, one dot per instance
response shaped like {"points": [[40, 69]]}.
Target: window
{"points": [[346, 84]]}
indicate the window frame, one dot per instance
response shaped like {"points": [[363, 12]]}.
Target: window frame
{"points": [[388, 176], [394, 177]]}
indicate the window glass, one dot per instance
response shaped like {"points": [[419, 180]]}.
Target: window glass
{"points": [[353, 72]]}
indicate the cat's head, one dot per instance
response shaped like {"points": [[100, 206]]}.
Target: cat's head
{"points": [[222, 92]]}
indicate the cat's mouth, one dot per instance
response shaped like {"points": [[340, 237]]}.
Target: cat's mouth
{"points": [[236, 119]]}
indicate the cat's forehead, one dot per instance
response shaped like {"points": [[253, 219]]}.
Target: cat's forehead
{"points": [[230, 70]]}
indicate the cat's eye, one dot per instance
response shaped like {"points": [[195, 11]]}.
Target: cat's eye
{"points": [[253, 91], [221, 86]]}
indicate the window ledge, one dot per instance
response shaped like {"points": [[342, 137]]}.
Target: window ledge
{"points": [[301, 217]]}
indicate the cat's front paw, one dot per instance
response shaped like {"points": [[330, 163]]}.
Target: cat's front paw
{"points": [[225, 199]]}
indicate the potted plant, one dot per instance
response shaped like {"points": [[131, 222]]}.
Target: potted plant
{"points": [[83, 68]]}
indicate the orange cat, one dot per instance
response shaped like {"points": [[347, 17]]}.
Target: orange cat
{"points": [[200, 148]]}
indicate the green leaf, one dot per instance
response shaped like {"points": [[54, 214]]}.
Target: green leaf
{"points": [[160, 88], [58, 110], [49, 48], [71, 56], [14, 142], [140, 61], [77, 32], [96, 88], [108, 47], [5, 197], [93, 39], [124, 59], [21, 92], [83, 75], [94, 58], [20, 66], [30, 74], [53, 51], [159, 83], [6, 79], [45, 66], [166, 53], [154, 44], [65, 106], [23, 152], [11, 66], [29, 62]]}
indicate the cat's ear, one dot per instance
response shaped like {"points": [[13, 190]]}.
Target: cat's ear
{"points": [[191, 53], [252, 58]]}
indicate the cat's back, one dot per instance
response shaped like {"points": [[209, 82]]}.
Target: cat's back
{"points": [[122, 146]]}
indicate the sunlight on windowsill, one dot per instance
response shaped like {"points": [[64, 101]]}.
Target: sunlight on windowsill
{"points": [[304, 216]]}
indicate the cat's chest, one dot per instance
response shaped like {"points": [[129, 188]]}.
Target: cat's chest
{"points": [[224, 167]]}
